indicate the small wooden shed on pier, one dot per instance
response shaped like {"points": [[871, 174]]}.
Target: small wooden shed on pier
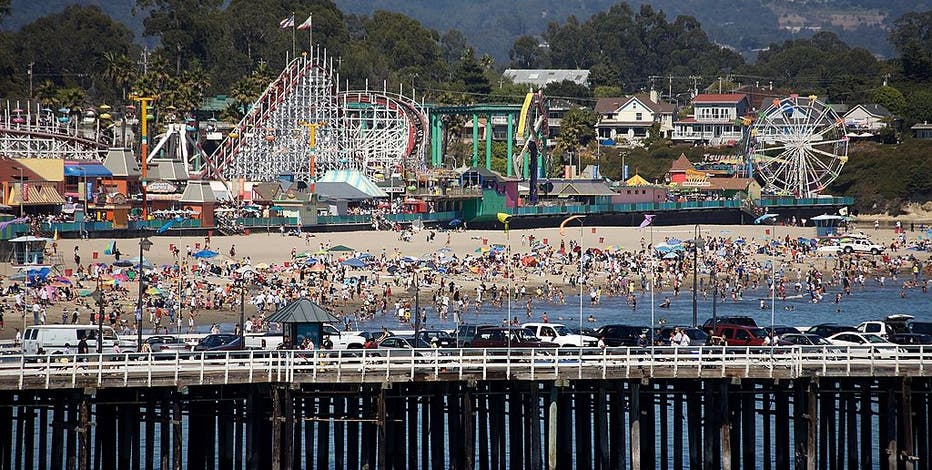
{"points": [[303, 318]]}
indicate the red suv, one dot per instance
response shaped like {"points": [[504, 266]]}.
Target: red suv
{"points": [[740, 335], [503, 337]]}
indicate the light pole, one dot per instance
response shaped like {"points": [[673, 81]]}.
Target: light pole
{"points": [[582, 220], [242, 305], [99, 297], [697, 240], [144, 245]]}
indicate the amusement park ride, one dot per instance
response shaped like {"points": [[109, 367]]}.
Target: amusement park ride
{"points": [[304, 125]]}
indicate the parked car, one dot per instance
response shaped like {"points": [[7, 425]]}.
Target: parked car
{"points": [[167, 344], [803, 339], [344, 339], [504, 337], [220, 342], [892, 324], [877, 345], [740, 335], [619, 335], [696, 336], [728, 320], [561, 335], [464, 334], [921, 327], [828, 329], [405, 345], [860, 245], [911, 339], [780, 330], [441, 337]]}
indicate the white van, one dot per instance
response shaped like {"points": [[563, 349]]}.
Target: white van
{"points": [[63, 339]]}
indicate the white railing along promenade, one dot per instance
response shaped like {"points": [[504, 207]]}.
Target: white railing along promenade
{"points": [[383, 365]]}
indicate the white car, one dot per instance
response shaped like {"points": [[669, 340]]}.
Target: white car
{"points": [[860, 245], [864, 340], [344, 339], [560, 334]]}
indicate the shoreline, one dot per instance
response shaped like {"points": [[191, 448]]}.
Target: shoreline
{"points": [[275, 249]]}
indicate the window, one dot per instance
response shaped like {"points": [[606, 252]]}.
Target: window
{"points": [[638, 116]]}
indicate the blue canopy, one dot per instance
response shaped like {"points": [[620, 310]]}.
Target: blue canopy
{"points": [[354, 263], [206, 254], [89, 169]]}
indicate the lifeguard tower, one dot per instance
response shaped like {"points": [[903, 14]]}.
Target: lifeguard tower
{"points": [[830, 225]]}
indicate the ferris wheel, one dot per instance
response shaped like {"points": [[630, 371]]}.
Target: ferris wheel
{"points": [[797, 146]]}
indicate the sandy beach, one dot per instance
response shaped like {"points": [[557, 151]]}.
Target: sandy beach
{"points": [[276, 249]]}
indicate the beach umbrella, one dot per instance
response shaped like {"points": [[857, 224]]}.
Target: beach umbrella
{"points": [[674, 241], [121, 277], [671, 255], [663, 248], [262, 266], [354, 263], [154, 291], [445, 250], [340, 249], [764, 218], [205, 254], [303, 254], [84, 292], [245, 269], [317, 268], [410, 259], [62, 279], [123, 263], [455, 223]]}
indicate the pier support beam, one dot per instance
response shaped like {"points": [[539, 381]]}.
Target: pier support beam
{"points": [[634, 416]]}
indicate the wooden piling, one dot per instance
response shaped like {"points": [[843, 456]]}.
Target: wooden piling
{"points": [[516, 445], [634, 417], [748, 426], [709, 425], [582, 417], [726, 417], [84, 433], [323, 432], [552, 427], [616, 425], [782, 429], [694, 420], [602, 451], [352, 432], [339, 431], [905, 419], [677, 429], [177, 419], [469, 429], [225, 435]]}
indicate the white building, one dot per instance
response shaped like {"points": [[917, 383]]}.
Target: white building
{"points": [[714, 120], [628, 120]]}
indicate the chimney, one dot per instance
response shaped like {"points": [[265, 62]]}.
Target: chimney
{"points": [[654, 96]]}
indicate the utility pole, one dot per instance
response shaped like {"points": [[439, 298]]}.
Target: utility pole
{"points": [[144, 245], [30, 79]]}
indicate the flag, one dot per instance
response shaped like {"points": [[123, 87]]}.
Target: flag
{"points": [[287, 22], [648, 218], [110, 248], [307, 23]]}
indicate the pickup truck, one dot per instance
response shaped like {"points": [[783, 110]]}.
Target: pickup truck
{"points": [[853, 245], [344, 339], [561, 335], [891, 325]]}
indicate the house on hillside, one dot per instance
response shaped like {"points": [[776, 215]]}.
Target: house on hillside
{"points": [[922, 130], [865, 120], [713, 121], [628, 120]]}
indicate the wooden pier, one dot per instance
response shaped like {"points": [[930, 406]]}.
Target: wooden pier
{"points": [[765, 412]]}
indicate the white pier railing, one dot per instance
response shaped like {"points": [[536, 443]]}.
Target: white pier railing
{"points": [[400, 365]]}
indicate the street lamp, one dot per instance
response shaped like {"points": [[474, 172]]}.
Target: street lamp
{"points": [[144, 245], [98, 296], [697, 240]]}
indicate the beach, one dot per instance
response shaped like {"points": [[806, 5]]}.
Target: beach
{"points": [[276, 250]]}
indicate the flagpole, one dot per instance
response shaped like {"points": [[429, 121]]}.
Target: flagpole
{"points": [[293, 48]]}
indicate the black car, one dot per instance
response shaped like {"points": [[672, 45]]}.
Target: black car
{"points": [[828, 329], [442, 338], [923, 327], [464, 334], [220, 342], [619, 335], [696, 336], [911, 339], [780, 330], [739, 320]]}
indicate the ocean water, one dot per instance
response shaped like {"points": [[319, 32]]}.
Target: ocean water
{"points": [[871, 302]]}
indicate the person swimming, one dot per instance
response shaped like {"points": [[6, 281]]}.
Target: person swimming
{"points": [[665, 303]]}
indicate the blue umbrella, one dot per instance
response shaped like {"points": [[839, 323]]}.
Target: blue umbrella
{"points": [[354, 263], [205, 254], [674, 241], [664, 248], [455, 223], [764, 217]]}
